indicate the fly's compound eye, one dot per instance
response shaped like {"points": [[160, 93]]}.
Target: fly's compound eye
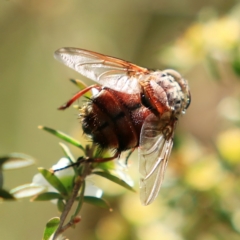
{"points": [[163, 75]]}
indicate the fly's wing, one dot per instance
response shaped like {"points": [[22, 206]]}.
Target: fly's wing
{"points": [[154, 152], [111, 72]]}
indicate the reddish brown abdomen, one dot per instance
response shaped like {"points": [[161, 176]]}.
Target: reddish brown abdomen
{"points": [[114, 119]]}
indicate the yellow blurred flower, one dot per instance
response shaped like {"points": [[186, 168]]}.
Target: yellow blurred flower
{"points": [[229, 108], [217, 37], [222, 34], [228, 144], [157, 231], [137, 214], [205, 174]]}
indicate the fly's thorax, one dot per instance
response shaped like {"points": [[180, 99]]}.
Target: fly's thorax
{"points": [[167, 91]]}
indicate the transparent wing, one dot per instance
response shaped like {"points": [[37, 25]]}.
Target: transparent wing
{"points": [[111, 72], [154, 152]]}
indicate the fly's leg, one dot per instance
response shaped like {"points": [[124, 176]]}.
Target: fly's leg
{"points": [[76, 96], [100, 160], [128, 156], [93, 160]]}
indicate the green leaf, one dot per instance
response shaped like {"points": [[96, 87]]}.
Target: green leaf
{"points": [[6, 195], [64, 137], [236, 65], [60, 205], [67, 152], [105, 166], [47, 196], [16, 160], [99, 202], [51, 227], [114, 179], [82, 86], [27, 190], [80, 200], [53, 180]]}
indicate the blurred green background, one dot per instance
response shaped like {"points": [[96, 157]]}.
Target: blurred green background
{"points": [[200, 199]]}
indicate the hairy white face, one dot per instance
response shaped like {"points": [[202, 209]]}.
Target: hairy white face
{"points": [[176, 89]]}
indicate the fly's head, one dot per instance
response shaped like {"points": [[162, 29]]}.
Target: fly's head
{"points": [[177, 91]]}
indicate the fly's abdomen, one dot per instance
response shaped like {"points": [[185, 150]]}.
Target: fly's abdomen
{"points": [[114, 119]]}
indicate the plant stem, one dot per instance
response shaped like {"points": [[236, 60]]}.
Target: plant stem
{"points": [[78, 183]]}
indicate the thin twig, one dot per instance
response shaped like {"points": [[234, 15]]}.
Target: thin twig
{"points": [[71, 223], [78, 183]]}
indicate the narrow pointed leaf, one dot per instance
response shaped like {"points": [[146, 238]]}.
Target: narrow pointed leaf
{"points": [[6, 195], [80, 199], [69, 155], [67, 152], [60, 205], [16, 160], [47, 196], [114, 179], [63, 136], [82, 86], [53, 180], [51, 227], [99, 202], [27, 190]]}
